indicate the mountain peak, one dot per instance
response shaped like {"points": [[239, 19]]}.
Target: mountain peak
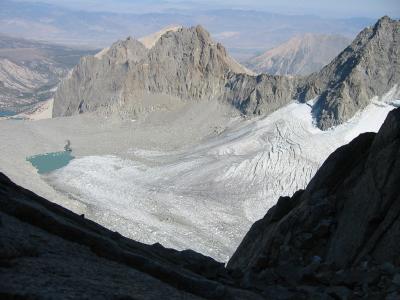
{"points": [[150, 40], [186, 63], [202, 32], [175, 62], [366, 69], [384, 21]]}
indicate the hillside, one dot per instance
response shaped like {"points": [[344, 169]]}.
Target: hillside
{"points": [[30, 71], [301, 55]]}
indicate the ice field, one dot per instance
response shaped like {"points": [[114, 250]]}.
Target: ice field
{"points": [[206, 196]]}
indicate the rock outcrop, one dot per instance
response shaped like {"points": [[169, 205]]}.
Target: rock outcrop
{"points": [[342, 231], [301, 55], [337, 239], [186, 64]]}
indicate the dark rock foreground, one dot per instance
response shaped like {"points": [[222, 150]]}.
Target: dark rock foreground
{"points": [[337, 239], [342, 232]]}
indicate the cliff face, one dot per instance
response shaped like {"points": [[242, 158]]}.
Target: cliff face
{"points": [[186, 64], [337, 239]]}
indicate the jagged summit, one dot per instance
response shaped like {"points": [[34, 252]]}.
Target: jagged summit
{"points": [[385, 20], [150, 40], [122, 49], [186, 64], [369, 67]]}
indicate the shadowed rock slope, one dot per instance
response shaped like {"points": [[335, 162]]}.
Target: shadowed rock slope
{"points": [[188, 65], [338, 239], [343, 229], [48, 252]]}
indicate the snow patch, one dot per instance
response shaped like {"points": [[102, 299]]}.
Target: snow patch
{"points": [[150, 40], [102, 53]]}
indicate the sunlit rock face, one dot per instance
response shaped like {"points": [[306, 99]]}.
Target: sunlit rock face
{"points": [[187, 64]]}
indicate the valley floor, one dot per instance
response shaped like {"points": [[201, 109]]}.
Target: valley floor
{"points": [[196, 177]]}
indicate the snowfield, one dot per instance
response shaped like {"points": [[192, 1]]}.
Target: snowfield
{"points": [[205, 197]]}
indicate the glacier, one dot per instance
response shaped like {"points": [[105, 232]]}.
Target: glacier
{"points": [[205, 197]]}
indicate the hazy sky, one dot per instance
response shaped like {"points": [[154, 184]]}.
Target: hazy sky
{"points": [[326, 8]]}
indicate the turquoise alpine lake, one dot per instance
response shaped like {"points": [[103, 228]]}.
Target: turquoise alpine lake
{"points": [[45, 163], [396, 103], [5, 113]]}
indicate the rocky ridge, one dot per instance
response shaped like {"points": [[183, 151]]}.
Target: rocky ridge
{"points": [[337, 239], [369, 67], [187, 65]]}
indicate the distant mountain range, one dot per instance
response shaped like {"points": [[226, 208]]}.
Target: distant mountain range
{"points": [[301, 55], [187, 64], [30, 71], [244, 33]]}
